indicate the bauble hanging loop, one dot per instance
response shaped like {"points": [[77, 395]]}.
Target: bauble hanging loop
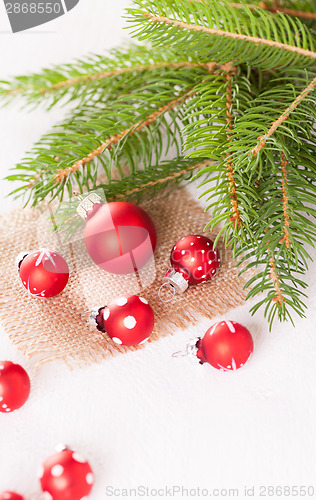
{"points": [[128, 320], [120, 237], [194, 260]]}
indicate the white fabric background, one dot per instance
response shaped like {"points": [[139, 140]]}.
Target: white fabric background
{"points": [[146, 418]]}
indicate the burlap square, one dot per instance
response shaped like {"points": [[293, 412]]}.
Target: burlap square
{"points": [[54, 329]]}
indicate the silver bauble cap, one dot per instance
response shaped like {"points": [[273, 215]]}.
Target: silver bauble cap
{"points": [[192, 348], [175, 279], [86, 205], [20, 257], [94, 313]]}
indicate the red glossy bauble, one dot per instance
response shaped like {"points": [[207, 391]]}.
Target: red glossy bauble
{"points": [[120, 237], [44, 273], [128, 320], [66, 476], [195, 258], [10, 495], [15, 386], [227, 345]]}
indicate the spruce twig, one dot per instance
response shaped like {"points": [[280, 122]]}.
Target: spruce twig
{"points": [[227, 34], [62, 174], [285, 199], [232, 183], [84, 79], [283, 117]]}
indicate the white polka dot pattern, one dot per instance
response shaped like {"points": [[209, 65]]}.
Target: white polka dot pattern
{"points": [[106, 313], [90, 478], [129, 322], [47, 496], [144, 341], [117, 340], [78, 458], [144, 301], [121, 301], [57, 470]]}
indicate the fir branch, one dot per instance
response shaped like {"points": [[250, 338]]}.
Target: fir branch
{"points": [[211, 134], [95, 77], [236, 36], [285, 196], [127, 130], [283, 117], [279, 298], [162, 182], [215, 29], [232, 183], [63, 174], [84, 79]]}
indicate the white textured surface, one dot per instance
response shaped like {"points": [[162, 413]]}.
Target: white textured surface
{"points": [[146, 418]]}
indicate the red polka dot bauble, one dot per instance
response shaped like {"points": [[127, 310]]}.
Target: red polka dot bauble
{"points": [[10, 495], [66, 476], [44, 273], [227, 345], [119, 237], [15, 386], [128, 320], [194, 260]]}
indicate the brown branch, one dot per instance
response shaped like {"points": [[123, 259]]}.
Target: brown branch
{"points": [[279, 298], [105, 74], [114, 139], [171, 177], [228, 34], [40, 175], [285, 203], [34, 180], [232, 183], [289, 12], [275, 125], [274, 8]]}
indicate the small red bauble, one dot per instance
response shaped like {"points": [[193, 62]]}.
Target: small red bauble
{"points": [[44, 273], [66, 476], [128, 320], [10, 495], [15, 386], [194, 260], [120, 237], [227, 345]]}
